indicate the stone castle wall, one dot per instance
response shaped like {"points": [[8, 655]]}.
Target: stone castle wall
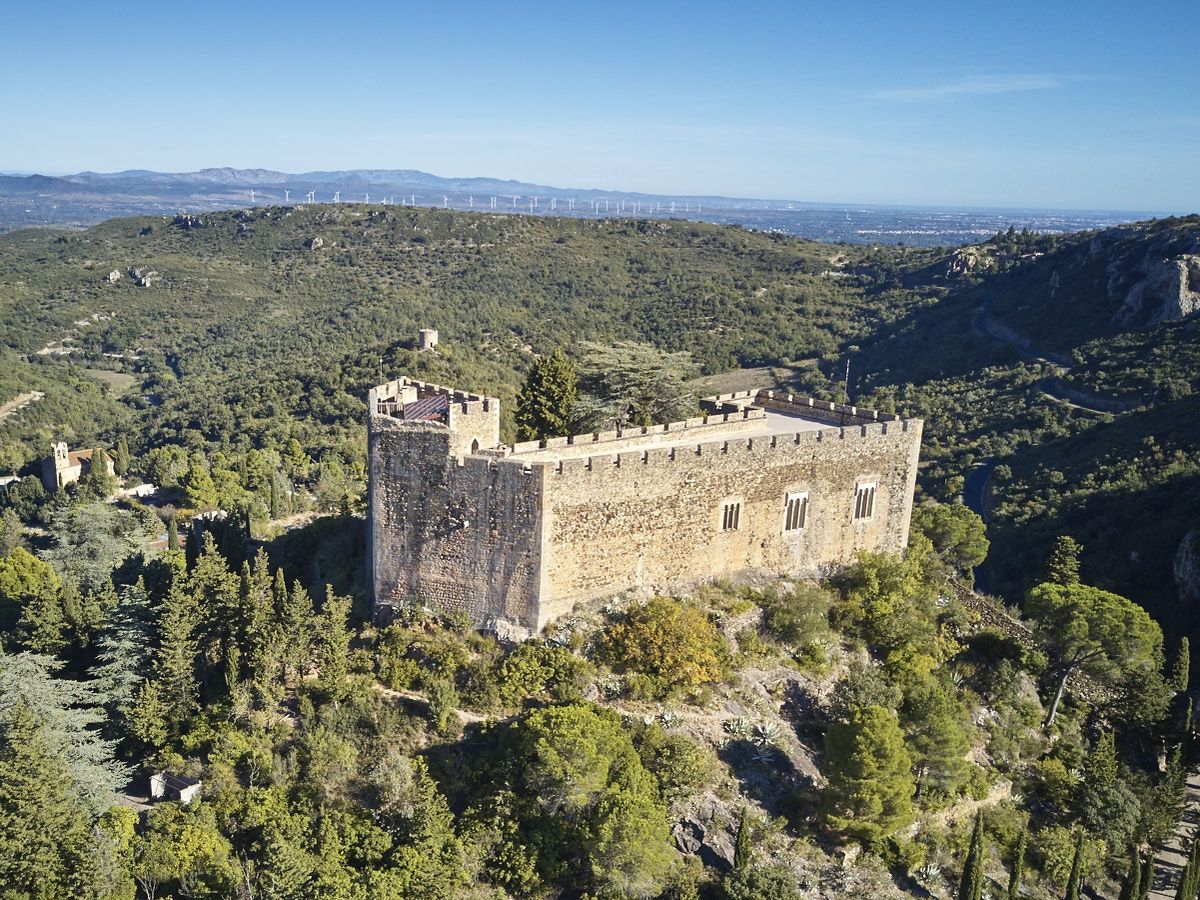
{"points": [[652, 519], [459, 534], [515, 536]]}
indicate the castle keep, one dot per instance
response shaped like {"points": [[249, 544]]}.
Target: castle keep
{"points": [[515, 536]]}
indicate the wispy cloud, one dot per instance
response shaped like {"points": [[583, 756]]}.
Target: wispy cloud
{"points": [[971, 85]]}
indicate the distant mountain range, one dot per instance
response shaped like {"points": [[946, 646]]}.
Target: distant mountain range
{"points": [[90, 197]]}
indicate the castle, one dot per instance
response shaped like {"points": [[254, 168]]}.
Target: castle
{"points": [[514, 536]]}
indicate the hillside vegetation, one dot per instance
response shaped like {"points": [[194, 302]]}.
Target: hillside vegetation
{"points": [[248, 337], [742, 743]]}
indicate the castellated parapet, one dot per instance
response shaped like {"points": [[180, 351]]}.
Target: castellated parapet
{"points": [[515, 536]]}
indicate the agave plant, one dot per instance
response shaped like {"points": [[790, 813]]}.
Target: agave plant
{"points": [[929, 872], [766, 733], [739, 727], [764, 755], [669, 719]]}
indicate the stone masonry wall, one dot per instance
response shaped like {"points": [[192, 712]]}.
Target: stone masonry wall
{"points": [[651, 519], [458, 535]]}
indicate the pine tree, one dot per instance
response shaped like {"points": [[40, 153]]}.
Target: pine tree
{"points": [[970, 885], [46, 847], [333, 657], [1075, 880], [1181, 669], [870, 788], [1063, 566], [1017, 874], [69, 713], [742, 850], [545, 399], [124, 652]]}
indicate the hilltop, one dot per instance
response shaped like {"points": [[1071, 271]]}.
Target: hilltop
{"points": [[263, 325]]}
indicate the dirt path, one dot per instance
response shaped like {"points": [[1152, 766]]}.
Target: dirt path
{"points": [[18, 403], [1170, 860]]}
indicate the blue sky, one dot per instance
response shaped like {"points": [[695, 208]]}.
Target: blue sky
{"points": [[1050, 104]]}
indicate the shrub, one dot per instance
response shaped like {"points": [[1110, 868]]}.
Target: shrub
{"points": [[536, 668], [681, 766], [671, 643], [797, 615]]}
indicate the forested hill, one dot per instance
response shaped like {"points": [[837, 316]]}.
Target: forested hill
{"points": [[252, 328]]}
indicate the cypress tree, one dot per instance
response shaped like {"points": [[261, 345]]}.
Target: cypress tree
{"points": [[1181, 670], [1018, 866], [1189, 881], [172, 534], [1147, 878], [1075, 881], [970, 886], [742, 851], [1131, 884], [121, 457]]}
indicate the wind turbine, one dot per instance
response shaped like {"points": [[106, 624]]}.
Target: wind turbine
{"points": [[286, 196], [251, 195], [337, 196], [312, 196], [471, 202], [493, 202], [445, 202], [367, 198]]}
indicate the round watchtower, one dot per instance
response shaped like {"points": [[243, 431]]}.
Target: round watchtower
{"points": [[427, 338]]}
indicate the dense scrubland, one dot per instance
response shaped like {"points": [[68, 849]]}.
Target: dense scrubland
{"points": [[767, 740]]}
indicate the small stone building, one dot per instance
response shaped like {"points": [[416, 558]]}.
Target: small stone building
{"points": [[515, 536], [166, 786], [65, 466], [427, 339]]}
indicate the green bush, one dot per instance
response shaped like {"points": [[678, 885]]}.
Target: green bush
{"points": [[536, 669], [672, 644], [680, 765]]}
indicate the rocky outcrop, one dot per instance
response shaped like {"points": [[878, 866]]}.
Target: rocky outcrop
{"points": [[188, 221], [705, 832], [314, 243], [112, 277], [1168, 289], [966, 260], [1187, 567], [143, 276]]}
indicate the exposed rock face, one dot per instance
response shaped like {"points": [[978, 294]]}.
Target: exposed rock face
{"points": [[1168, 289], [187, 220], [143, 276], [966, 260], [1187, 567], [112, 277], [314, 243], [704, 833]]}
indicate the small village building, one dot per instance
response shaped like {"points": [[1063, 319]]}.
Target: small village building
{"points": [[165, 786], [66, 466]]}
